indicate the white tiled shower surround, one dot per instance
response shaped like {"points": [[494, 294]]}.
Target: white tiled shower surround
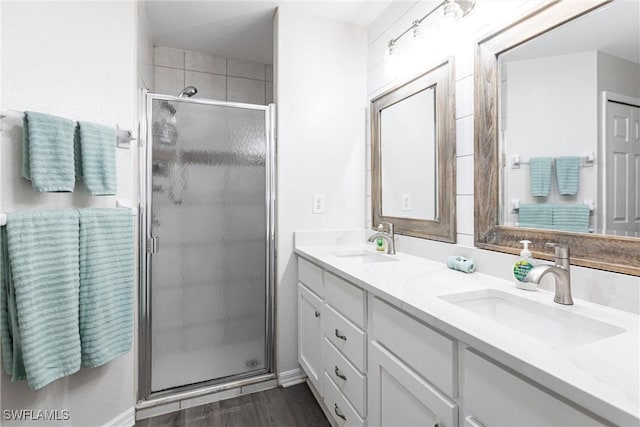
{"points": [[611, 289], [215, 77]]}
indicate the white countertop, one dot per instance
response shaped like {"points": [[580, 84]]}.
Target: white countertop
{"points": [[602, 376]]}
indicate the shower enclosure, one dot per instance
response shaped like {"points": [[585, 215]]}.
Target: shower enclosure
{"points": [[207, 242]]}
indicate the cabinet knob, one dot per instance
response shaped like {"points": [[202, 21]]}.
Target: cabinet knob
{"points": [[338, 412], [438, 425], [317, 313], [339, 335], [340, 374]]}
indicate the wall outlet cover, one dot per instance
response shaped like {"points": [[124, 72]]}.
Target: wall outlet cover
{"points": [[318, 204]]}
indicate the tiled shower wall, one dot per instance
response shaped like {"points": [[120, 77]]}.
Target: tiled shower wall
{"points": [[215, 77]]}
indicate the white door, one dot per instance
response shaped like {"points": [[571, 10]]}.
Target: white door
{"points": [[310, 335], [622, 170], [400, 397]]}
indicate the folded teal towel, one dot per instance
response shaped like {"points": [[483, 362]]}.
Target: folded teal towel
{"points": [[568, 175], [48, 152], [98, 151], [106, 284], [540, 175], [43, 257], [461, 263], [574, 218], [535, 215]]}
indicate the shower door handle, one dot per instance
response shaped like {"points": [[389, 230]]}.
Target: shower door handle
{"points": [[153, 244]]}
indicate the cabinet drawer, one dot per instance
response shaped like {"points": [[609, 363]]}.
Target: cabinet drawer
{"points": [[499, 398], [345, 336], [341, 410], [426, 351], [310, 275], [346, 298], [345, 376]]}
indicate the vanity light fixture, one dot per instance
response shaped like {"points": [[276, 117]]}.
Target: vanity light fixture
{"points": [[451, 10]]}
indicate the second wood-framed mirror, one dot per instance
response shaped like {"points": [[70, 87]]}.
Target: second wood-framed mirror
{"points": [[546, 169], [413, 156]]}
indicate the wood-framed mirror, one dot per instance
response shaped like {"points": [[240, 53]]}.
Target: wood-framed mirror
{"points": [[506, 139], [413, 156]]}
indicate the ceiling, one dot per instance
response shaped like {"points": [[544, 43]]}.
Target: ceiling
{"points": [[241, 29], [613, 29]]}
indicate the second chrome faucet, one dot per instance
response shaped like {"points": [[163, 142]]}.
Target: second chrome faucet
{"points": [[560, 271], [388, 236]]}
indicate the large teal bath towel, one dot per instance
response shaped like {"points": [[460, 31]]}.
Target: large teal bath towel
{"points": [[568, 175], [97, 145], [106, 284], [536, 215], [574, 218], [540, 175], [48, 152], [41, 291]]}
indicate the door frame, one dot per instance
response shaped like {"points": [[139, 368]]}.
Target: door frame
{"points": [[145, 396]]}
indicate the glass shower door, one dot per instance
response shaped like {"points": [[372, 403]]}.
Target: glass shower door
{"points": [[209, 273]]}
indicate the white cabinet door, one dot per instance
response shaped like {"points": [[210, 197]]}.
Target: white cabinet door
{"points": [[399, 397], [497, 398], [310, 335]]}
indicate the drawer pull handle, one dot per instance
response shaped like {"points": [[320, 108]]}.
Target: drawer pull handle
{"points": [[339, 335], [338, 412], [317, 313], [340, 374]]}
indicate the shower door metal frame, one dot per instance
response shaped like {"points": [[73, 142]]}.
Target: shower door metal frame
{"points": [[146, 397]]}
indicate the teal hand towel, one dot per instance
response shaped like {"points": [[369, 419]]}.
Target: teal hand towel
{"points": [[43, 255], [11, 350], [540, 175], [106, 284], [98, 152], [48, 152], [574, 218], [535, 215], [568, 175]]}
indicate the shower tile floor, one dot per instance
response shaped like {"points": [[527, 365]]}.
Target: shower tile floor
{"points": [[282, 407]]}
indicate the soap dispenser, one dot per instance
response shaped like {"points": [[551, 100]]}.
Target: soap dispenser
{"points": [[380, 240], [523, 265]]}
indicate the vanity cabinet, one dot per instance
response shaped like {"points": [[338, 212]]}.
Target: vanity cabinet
{"points": [[374, 364], [332, 342]]}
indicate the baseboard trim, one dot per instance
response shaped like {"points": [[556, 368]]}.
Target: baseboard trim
{"points": [[292, 377], [125, 419]]}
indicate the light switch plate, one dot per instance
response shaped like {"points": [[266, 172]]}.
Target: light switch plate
{"points": [[318, 204]]}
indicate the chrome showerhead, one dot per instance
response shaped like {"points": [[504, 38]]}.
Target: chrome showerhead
{"points": [[188, 92]]}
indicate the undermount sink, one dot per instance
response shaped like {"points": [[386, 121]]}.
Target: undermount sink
{"points": [[364, 255], [557, 327]]}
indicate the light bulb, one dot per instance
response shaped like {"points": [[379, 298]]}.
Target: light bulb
{"points": [[452, 10]]}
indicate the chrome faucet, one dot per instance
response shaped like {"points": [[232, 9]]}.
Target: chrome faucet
{"points": [[560, 272], [388, 235]]}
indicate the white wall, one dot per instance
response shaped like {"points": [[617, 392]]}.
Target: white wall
{"points": [[616, 290], [144, 50], [559, 92], [618, 75], [77, 60], [320, 94]]}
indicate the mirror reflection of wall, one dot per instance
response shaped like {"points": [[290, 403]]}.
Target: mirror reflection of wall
{"points": [[409, 174], [572, 95]]}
